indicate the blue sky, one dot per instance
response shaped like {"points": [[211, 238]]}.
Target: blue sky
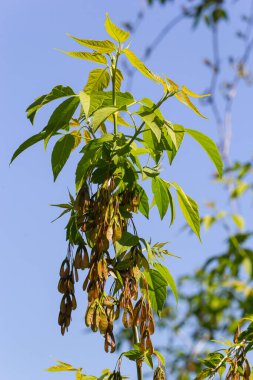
{"points": [[31, 247]]}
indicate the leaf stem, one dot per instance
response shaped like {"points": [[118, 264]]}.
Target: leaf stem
{"points": [[157, 105], [137, 340], [114, 71]]}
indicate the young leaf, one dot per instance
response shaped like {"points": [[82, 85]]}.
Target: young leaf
{"points": [[157, 289], [160, 191], [29, 142], [114, 31], [62, 115], [189, 209], [168, 277], [98, 79], [183, 98], [133, 354], [106, 46], [56, 93], [209, 146], [94, 57], [61, 152], [139, 65], [193, 94]]}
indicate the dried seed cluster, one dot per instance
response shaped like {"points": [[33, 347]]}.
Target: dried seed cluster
{"points": [[102, 218]]}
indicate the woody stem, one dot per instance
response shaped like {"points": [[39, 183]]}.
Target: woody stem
{"points": [[137, 340]]}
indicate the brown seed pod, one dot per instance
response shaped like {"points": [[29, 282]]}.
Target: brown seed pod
{"points": [[149, 345], [62, 286], [65, 269], [85, 283], [73, 302], [85, 258], [78, 259], [61, 319], [103, 323], [89, 314], [63, 305], [151, 324], [159, 374]]}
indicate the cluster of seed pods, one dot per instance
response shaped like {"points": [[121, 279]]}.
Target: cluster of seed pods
{"points": [[100, 219]]}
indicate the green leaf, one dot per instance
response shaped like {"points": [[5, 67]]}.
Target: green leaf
{"points": [[122, 99], [152, 121], [61, 153], [56, 93], [133, 354], [89, 158], [144, 204], [101, 115], [168, 277], [148, 360], [98, 80], [29, 142], [178, 131], [127, 241], [114, 31], [91, 154], [94, 57], [105, 46], [139, 65], [157, 289], [61, 116], [209, 146], [160, 191], [189, 209], [172, 208], [85, 102]]}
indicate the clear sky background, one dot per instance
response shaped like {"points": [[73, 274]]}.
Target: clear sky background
{"points": [[31, 247]]}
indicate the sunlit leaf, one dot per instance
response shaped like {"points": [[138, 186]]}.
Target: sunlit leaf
{"points": [[94, 57], [101, 115], [209, 146], [189, 209], [98, 80], [105, 46], [114, 31], [29, 142], [193, 94]]}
